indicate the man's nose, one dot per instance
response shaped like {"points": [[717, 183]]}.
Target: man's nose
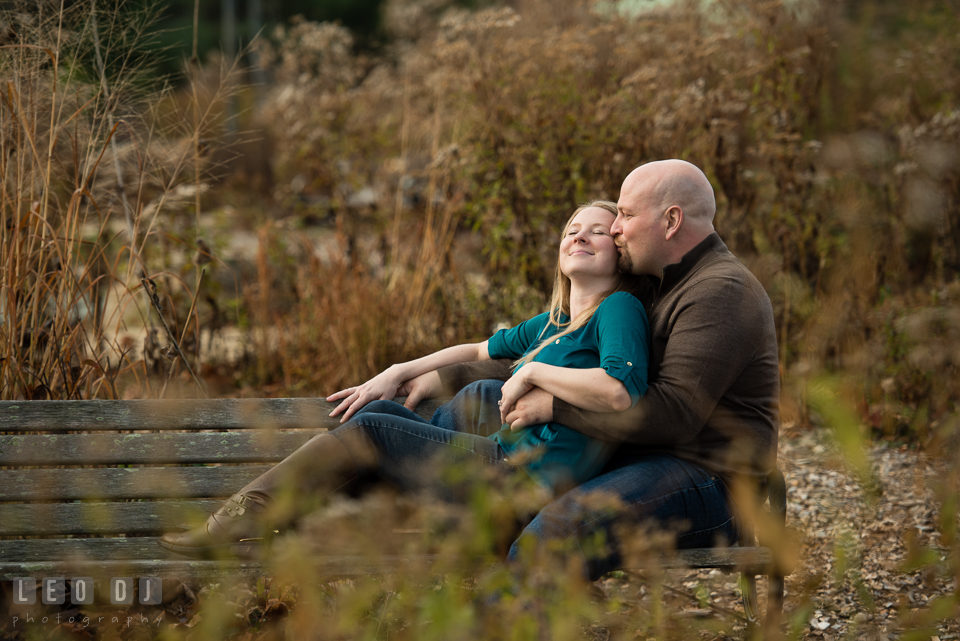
{"points": [[616, 229]]}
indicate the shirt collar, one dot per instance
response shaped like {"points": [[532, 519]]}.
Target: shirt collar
{"points": [[673, 274]]}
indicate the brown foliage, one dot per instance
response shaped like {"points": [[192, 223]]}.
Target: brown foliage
{"points": [[827, 131]]}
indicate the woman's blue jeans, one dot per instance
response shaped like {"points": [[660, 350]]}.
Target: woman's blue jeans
{"points": [[641, 491], [387, 440]]}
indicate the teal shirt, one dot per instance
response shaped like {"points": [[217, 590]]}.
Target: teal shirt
{"points": [[617, 339]]}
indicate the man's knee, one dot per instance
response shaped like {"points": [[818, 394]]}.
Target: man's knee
{"points": [[574, 514], [473, 410]]}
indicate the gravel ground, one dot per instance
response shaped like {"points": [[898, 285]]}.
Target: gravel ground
{"points": [[872, 535]]}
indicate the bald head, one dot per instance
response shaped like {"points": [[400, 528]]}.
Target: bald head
{"points": [[676, 182], [666, 208]]}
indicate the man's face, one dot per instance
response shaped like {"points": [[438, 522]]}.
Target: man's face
{"points": [[637, 228]]}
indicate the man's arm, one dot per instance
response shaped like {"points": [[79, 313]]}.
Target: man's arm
{"points": [[713, 338]]}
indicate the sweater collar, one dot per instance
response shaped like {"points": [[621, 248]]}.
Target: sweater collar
{"points": [[673, 274]]}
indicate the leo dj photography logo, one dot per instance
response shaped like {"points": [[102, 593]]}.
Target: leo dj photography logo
{"points": [[53, 590]]}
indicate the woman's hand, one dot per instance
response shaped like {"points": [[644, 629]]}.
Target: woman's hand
{"points": [[383, 386], [515, 387]]}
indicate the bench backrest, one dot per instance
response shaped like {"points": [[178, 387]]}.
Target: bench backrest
{"points": [[104, 467]]}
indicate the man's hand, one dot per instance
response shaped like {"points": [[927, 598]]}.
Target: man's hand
{"points": [[533, 408], [515, 387], [416, 389]]}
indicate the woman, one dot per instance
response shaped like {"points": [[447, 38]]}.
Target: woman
{"points": [[590, 350]]}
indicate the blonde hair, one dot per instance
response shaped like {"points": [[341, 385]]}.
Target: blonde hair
{"points": [[560, 299]]}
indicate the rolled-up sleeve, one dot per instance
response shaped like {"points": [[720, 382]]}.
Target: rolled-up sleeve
{"points": [[513, 343], [623, 338]]}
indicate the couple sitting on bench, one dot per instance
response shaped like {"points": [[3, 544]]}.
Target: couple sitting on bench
{"points": [[666, 405]]}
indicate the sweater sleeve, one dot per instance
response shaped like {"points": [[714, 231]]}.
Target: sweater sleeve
{"points": [[623, 340], [516, 341], [712, 338], [504, 347]]}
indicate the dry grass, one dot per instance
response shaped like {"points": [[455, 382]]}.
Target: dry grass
{"points": [[444, 165], [830, 152], [97, 167]]}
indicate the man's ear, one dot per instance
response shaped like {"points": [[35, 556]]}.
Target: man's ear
{"points": [[674, 218]]}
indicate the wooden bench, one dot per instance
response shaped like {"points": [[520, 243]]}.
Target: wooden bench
{"points": [[127, 471]]}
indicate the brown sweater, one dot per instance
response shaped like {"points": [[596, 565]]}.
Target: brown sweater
{"points": [[714, 373]]}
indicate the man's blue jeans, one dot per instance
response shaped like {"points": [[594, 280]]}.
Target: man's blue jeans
{"points": [[648, 490]]}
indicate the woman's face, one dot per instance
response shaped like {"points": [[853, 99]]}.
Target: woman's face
{"points": [[587, 249]]}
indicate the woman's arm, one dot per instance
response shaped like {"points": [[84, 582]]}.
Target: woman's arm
{"points": [[622, 343], [591, 389], [385, 384]]}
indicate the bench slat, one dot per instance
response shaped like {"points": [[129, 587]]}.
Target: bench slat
{"points": [[146, 548], [141, 517], [141, 556], [182, 569], [102, 549], [328, 566], [131, 547], [171, 447], [190, 414], [724, 558], [126, 483]]}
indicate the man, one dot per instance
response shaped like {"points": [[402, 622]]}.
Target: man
{"points": [[710, 417]]}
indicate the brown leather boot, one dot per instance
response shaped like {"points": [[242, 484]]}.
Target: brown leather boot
{"points": [[271, 502]]}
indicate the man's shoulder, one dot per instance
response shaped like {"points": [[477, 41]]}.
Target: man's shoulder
{"points": [[720, 285], [721, 268]]}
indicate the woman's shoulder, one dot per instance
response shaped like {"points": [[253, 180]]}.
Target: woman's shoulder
{"points": [[624, 301], [535, 324], [539, 320], [621, 310], [620, 307]]}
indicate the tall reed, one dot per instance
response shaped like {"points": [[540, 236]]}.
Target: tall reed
{"points": [[92, 168]]}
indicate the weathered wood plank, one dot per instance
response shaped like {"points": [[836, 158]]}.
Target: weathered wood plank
{"points": [[146, 548], [189, 414], [126, 483], [723, 558], [247, 446], [101, 549], [105, 549], [141, 517], [183, 568], [141, 556]]}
